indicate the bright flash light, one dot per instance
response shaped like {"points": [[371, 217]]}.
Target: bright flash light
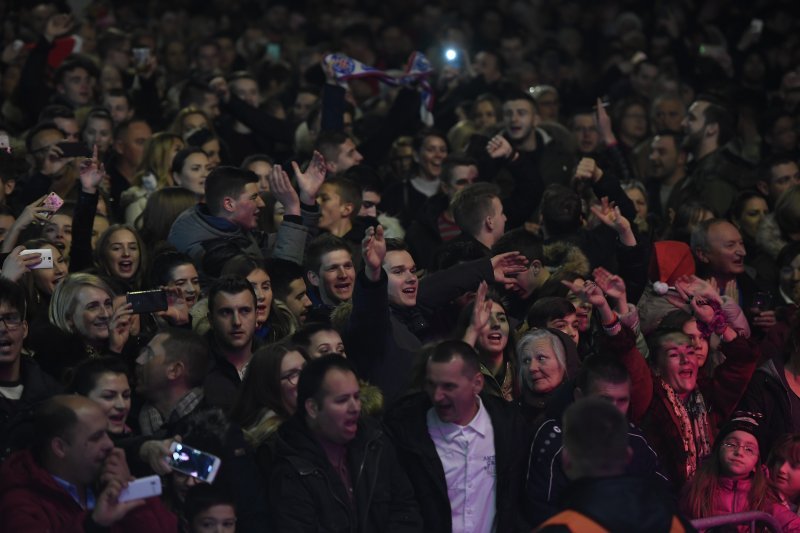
{"points": [[450, 54]]}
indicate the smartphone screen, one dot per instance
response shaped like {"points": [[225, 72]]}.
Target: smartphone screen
{"points": [[194, 462], [147, 301], [75, 149]]}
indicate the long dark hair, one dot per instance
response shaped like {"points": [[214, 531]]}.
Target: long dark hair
{"points": [[261, 388]]}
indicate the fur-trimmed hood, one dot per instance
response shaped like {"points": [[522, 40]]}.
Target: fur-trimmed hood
{"points": [[565, 256]]}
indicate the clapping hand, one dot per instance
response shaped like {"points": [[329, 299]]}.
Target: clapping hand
{"points": [[481, 312], [311, 180], [507, 266], [373, 251]]}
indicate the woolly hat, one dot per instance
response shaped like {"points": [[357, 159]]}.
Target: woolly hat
{"points": [[669, 261], [741, 421]]}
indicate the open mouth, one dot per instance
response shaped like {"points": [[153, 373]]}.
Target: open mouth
{"points": [[117, 418], [686, 374], [125, 266]]}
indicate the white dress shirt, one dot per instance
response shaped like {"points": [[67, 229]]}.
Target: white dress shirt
{"points": [[468, 458]]}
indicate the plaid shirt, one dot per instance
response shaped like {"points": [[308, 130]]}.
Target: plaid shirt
{"points": [[151, 420]]}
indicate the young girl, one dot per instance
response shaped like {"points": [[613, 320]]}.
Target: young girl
{"points": [[784, 468], [732, 480]]}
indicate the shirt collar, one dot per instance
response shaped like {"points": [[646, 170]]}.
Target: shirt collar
{"points": [[72, 490], [479, 423]]}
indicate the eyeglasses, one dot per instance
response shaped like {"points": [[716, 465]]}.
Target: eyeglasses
{"points": [[11, 320], [748, 450], [291, 377]]}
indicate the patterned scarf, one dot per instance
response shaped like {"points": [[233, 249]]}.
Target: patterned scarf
{"points": [[694, 426], [418, 70]]}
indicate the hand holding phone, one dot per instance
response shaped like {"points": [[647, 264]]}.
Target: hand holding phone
{"points": [[139, 489], [147, 301], [46, 255], [193, 462]]}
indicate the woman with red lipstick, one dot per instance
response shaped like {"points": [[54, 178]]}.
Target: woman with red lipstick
{"points": [[105, 380]]}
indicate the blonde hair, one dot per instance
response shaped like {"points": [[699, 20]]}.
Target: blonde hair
{"points": [[65, 298], [177, 125], [157, 159]]}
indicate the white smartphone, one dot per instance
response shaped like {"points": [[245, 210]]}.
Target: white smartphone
{"points": [[47, 257], [138, 489], [192, 462]]}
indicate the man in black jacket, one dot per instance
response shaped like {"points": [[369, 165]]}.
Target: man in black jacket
{"points": [[466, 487], [335, 471]]}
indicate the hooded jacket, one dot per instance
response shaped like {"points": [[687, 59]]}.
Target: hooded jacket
{"points": [[31, 500], [306, 493], [197, 233]]}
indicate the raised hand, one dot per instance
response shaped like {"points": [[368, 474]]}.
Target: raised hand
{"points": [[481, 312], [177, 312], [311, 180], [91, 172], [588, 170], [58, 26], [155, 454], [119, 327], [498, 146], [604, 124], [281, 188], [588, 292], [373, 251], [115, 467], [697, 288], [611, 216], [609, 283], [507, 266]]}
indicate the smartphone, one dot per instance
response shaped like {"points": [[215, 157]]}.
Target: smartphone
{"points": [[47, 257], [192, 462], [274, 51], [147, 301], [451, 56], [138, 489], [141, 56], [77, 149]]}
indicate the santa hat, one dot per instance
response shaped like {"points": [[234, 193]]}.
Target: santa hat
{"points": [[669, 261]]}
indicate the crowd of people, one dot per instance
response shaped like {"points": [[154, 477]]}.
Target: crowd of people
{"points": [[427, 266]]}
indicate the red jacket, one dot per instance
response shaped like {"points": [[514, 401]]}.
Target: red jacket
{"points": [[650, 409], [32, 501]]}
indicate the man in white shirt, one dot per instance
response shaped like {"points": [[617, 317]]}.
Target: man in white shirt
{"points": [[460, 450]]}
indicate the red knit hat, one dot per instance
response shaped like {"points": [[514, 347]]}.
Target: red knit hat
{"points": [[669, 261]]}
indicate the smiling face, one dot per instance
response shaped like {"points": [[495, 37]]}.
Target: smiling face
{"points": [[122, 254], [453, 391], [297, 300], [93, 309], [247, 207], [336, 277], [113, 393], [336, 416], [726, 252], [403, 282], [541, 370], [677, 366], [58, 230], [430, 156], [193, 174], [738, 455], [185, 277]]}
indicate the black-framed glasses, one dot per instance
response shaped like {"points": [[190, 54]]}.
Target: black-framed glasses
{"points": [[12, 321], [291, 377]]}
